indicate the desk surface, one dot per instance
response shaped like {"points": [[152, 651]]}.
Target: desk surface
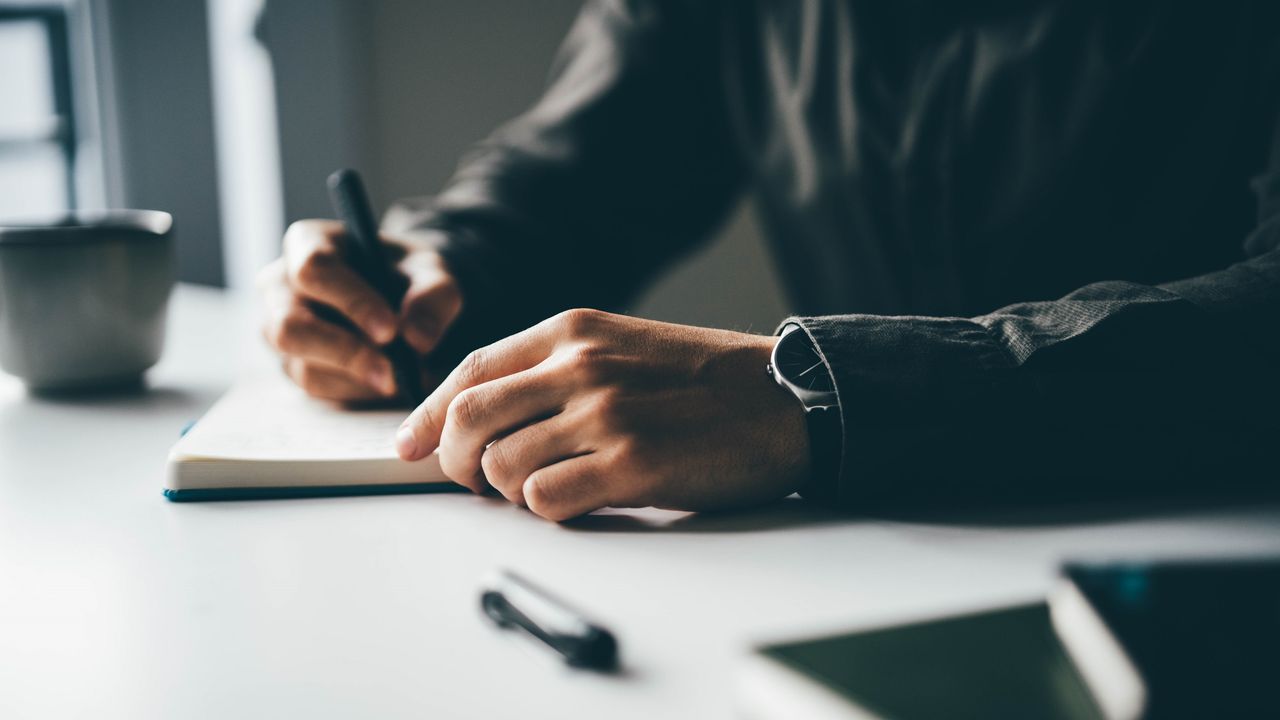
{"points": [[114, 602]]}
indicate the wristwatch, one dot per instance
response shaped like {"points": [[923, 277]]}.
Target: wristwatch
{"points": [[798, 367]]}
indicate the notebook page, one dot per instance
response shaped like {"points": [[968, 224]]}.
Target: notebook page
{"points": [[269, 418]]}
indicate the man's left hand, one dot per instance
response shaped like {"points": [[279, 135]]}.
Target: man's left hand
{"points": [[589, 409]]}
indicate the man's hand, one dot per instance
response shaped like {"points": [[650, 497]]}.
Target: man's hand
{"points": [[590, 409], [328, 323]]}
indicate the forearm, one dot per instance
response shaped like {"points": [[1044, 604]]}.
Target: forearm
{"points": [[1116, 388]]}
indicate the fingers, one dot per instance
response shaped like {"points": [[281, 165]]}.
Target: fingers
{"points": [[420, 433], [316, 270], [312, 281], [431, 303], [568, 488], [322, 382], [298, 333], [510, 460], [481, 414]]}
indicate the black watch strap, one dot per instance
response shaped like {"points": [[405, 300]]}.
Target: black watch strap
{"points": [[826, 445]]}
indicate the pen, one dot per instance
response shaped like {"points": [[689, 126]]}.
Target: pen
{"points": [[513, 602], [365, 255]]}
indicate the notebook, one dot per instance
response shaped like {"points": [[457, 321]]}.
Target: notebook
{"points": [[267, 439], [1003, 663]]}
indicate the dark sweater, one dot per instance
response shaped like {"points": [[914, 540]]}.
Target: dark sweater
{"points": [[1036, 242]]}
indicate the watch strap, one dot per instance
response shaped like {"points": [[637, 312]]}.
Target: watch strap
{"points": [[826, 449]]}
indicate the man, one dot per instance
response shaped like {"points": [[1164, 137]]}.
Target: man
{"points": [[1013, 232]]}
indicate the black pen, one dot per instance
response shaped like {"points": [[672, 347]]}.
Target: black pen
{"points": [[511, 601], [365, 254]]}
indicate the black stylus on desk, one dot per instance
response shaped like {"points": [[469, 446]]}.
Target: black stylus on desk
{"points": [[513, 602], [366, 256]]}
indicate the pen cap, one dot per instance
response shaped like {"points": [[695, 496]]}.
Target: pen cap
{"points": [[550, 613], [512, 602]]}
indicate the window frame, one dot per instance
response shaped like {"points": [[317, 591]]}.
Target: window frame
{"points": [[63, 133]]}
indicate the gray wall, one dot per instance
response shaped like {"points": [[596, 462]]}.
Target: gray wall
{"points": [[443, 73], [321, 60], [159, 50]]}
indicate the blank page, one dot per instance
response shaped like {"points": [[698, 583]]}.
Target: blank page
{"points": [[271, 419]]}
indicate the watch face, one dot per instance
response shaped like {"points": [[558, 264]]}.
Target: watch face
{"points": [[798, 361]]}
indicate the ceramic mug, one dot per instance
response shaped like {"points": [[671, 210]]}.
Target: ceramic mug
{"points": [[83, 299]]}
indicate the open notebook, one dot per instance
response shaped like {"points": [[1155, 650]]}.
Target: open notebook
{"points": [[267, 439]]}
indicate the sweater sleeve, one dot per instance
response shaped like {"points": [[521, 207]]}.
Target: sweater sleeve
{"points": [[1117, 389]]}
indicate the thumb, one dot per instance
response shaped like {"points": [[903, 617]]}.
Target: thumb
{"points": [[431, 302]]}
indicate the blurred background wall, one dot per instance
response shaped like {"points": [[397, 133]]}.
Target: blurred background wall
{"points": [[159, 53], [231, 113]]}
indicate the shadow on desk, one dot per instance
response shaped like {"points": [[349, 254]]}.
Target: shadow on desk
{"points": [[1087, 512], [137, 393], [795, 512], [787, 513]]}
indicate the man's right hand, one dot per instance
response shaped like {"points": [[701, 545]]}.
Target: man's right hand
{"points": [[343, 360]]}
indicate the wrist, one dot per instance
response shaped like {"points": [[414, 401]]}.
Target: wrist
{"points": [[798, 366], [792, 429], [787, 425]]}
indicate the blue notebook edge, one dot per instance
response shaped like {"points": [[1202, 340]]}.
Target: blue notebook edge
{"points": [[320, 491]]}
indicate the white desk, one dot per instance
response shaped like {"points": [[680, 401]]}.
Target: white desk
{"points": [[114, 602]]}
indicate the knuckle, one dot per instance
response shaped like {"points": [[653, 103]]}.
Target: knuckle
{"points": [[498, 470], [355, 357], [540, 501], [473, 365], [609, 412], [453, 466], [306, 377], [302, 239], [274, 333], [361, 308], [578, 321], [450, 298], [440, 293], [422, 333], [287, 334], [589, 362], [295, 234], [631, 453], [424, 305], [491, 465], [313, 270], [432, 313], [464, 410], [423, 421], [308, 231]]}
